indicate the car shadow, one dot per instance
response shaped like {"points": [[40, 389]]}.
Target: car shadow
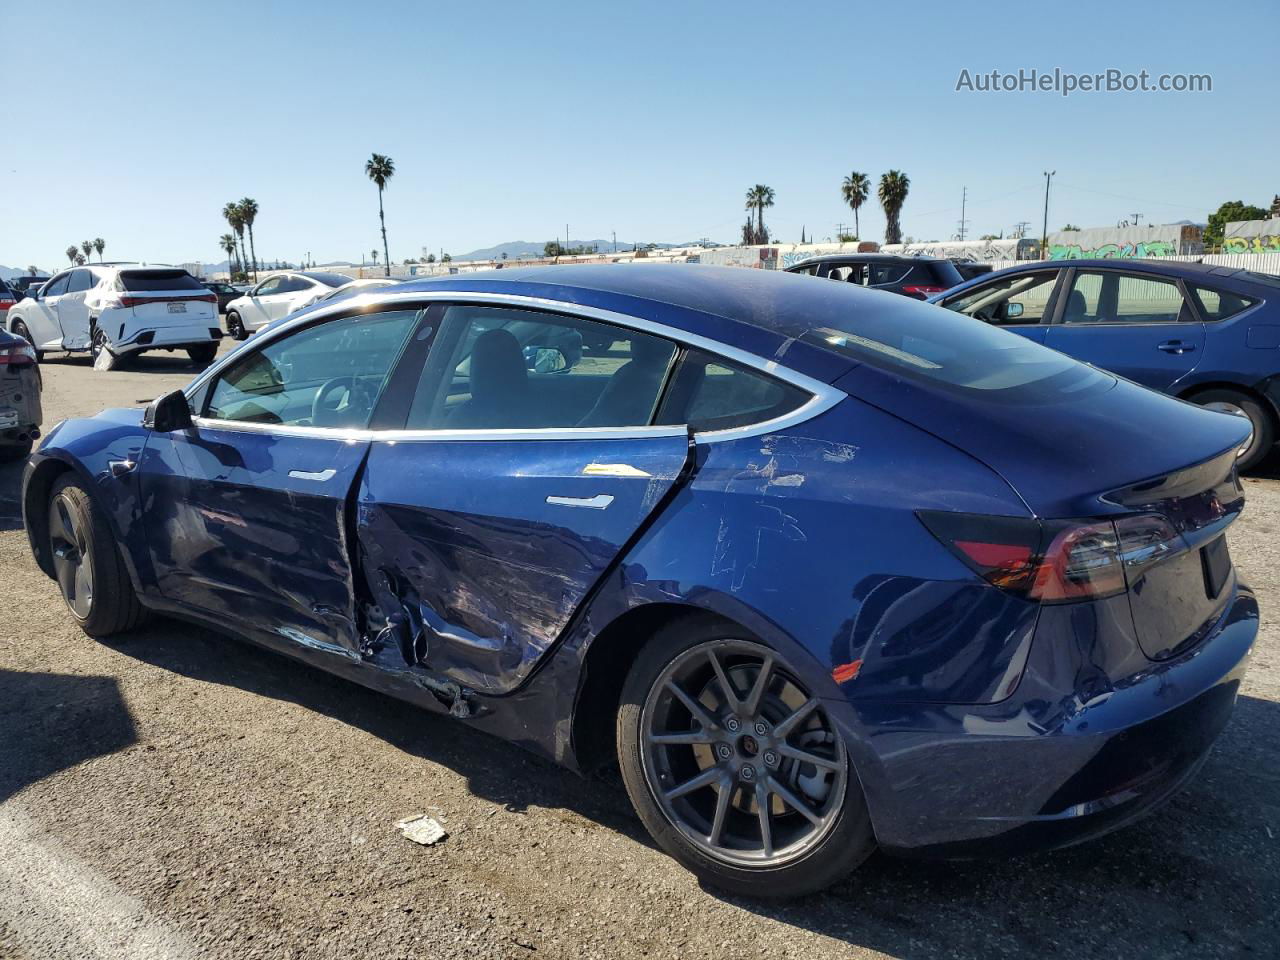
{"points": [[11, 495], [151, 362], [1199, 875], [54, 721]]}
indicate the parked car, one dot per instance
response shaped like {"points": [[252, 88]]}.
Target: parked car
{"points": [[24, 285], [351, 288], [968, 269], [819, 568], [8, 298], [114, 311], [276, 297], [1207, 334], [224, 291], [20, 386], [916, 277]]}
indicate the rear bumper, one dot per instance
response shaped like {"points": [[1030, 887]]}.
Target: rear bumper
{"points": [[190, 334], [1030, 773]]}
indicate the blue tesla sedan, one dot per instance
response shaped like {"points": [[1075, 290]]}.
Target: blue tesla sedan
{"points": [[819, 568], [1207, 334]]}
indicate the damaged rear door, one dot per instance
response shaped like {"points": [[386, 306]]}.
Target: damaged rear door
{"points": [[523, 470]]}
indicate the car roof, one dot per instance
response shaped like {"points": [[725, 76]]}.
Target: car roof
{"points": [[868, 257], [1190, 270]]}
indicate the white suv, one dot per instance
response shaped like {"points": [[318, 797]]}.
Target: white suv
{"points": [[115, 310]]}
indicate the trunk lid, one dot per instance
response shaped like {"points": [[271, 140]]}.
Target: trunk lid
{"points": [[161, 296]]}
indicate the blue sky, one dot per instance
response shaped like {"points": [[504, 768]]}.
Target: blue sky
{"points": [[507, 120]]}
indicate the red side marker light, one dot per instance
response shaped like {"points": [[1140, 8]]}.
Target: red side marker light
{"points": [[846, 671]]}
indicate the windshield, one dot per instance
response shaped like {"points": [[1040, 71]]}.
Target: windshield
{"points": [[328, 279]]}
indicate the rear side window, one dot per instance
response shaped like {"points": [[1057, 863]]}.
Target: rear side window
{"points": [[1107, 297], [147, 281], [492, 368], [710, 393], [1218, 304], [891, 273]]}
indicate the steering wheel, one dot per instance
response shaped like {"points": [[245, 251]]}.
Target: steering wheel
{"points": [[326, 407]]}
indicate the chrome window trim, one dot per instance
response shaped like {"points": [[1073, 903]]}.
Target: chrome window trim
{"points": [[822, 396]]}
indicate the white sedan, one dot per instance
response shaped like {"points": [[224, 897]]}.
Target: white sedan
{"points": [[278, 296]]}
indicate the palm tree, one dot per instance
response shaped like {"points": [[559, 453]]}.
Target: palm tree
{"points": [[228, 244], [32, 270], [380, 169], [249, 213], [893, 194], [759, 197], [854, 190], [80, 261], [72, 252], [374, 253], [99, 245], [231, 213], [87, 247]]}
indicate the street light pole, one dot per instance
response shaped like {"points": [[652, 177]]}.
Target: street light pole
{"points": [[1044, 233]]}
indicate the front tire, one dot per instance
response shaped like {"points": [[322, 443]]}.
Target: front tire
{"points": [[1241, 404], [87, 563], [20, 329], [235, 326], [735, 768]]}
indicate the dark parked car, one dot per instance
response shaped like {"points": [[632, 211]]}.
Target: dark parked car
{"points": [[20, 386], [1207, 334], [820, 568], [24, 285], [225, 291], [917, 277], [968, 269]]}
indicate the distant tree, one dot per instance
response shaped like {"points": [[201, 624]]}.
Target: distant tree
{"points": [[759, 197], [1229, 212], [854, 192], [228, 244], [1070, 228], [445, 258], [249, 213], [988, 236], [894, 187], [80, 260], [380, 170], [374, 253], [552, 248], [99, 245], [748, 232], [504, 254], [87, 247], [846, 238], [32, 270], [234, 216], [431, 258], [802, 240], [72, 252]]}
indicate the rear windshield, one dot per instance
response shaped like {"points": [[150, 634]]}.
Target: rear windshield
{"points": [[144, 281], [329, 279], [927, 343], [946, 273]]}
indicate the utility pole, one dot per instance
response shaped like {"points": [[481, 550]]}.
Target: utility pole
{"points": [[1044, 235], [566, 238], [1020, 229], [615, 241], [1136, 218], [964, 199]]}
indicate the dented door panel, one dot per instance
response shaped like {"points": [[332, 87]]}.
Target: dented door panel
{"points": [[479, 552]]}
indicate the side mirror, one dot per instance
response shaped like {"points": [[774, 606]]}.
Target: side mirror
{"points": [[1012, 311], [168, 413]]}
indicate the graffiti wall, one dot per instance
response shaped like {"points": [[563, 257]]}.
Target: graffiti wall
{"points": [[1252, 236], [1167, 240]]}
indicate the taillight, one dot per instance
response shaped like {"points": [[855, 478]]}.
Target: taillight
{"points": [[921, 290], [131, 301], [6, 302], [1058, 561], [23, 355]]}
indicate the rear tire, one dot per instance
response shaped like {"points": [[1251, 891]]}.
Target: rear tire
{"points": [[1236, 402], [20, 329], [235, 326], [89, 567], [717, 829], [203, 355]]}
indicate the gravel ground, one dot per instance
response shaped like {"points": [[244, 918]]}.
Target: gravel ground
{"points": [[176, 793]]}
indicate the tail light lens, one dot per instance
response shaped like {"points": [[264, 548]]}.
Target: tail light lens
{"points": [[921, 290], [6, 302], [23, 355], [1058, 561], [133, 301]]}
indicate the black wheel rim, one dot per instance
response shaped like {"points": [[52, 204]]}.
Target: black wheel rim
{"points": [[71, 561], [740, 757]]}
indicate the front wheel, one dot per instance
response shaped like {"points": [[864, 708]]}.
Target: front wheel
{"points": [[235, 326], [736, 769], [21, 330], [87, 563], [1243, 405]]}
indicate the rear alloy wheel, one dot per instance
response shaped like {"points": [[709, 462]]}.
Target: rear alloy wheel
{"points": [[1243, 405], [235, 326], [87, 563], [736, 768], [100, 353], [20, 329]]}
